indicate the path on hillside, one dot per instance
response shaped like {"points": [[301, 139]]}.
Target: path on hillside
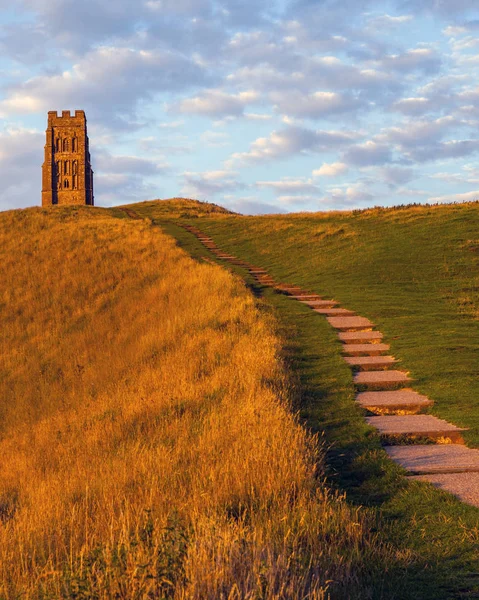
{"points": [[428, 448]]}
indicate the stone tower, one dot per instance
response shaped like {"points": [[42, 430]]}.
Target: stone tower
{"points": [[67, 173]]}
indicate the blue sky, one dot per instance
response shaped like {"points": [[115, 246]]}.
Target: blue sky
{"points": [[258, 105]]}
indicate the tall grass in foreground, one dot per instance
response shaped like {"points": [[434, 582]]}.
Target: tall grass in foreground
{"points": [[147, 445]]}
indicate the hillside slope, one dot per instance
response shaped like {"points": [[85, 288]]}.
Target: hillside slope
{"points": [[146, 432], [414, 271]]}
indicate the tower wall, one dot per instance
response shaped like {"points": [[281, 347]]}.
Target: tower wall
{"points": [[67, 176]]}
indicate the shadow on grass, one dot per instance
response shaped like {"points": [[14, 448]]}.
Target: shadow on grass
{"points": [[439, 534]]}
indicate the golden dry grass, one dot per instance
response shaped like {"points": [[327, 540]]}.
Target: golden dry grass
{"points": [[177, 208], [148, 448]]}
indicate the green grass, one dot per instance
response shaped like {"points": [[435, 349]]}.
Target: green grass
{"points": [[414, 272]]}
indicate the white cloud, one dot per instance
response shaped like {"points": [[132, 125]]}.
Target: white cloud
{"points": [[422, 59], [352, 195], [293, 141], [215, 103], [387, 21], [418, 132], [453, 30], [331, 169], [215, 139], [258, 117], [107, 82], [316, 105], [412, 106]]}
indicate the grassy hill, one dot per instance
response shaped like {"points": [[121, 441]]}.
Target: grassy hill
{"points": [[177, 208], [414, 271], [147, 440]]}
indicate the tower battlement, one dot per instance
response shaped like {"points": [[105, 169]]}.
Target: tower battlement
{"points": [[67, 173], [53, 116]]}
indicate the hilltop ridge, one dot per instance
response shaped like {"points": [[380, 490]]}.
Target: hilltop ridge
{"points": [[178, 208]]}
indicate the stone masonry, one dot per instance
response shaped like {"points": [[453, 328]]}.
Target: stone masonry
{"points": [[67, 176]]}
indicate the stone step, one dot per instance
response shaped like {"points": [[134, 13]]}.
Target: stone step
{"points": [[307, 297], [319, 303], [435, 458], [365, 349], [370, 363], [358, 337], [393, 402], [350, 323], [334, 312], [417, 426], [381, 379], [465, 486], [258, 272]]}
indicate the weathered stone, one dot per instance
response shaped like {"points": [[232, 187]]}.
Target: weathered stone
{"points": [[350, 323], [416, 426], [358, 337], [437, 458], [465, 486], [319, 303], [365, 349], [380, 379], [67, 176], [390, 402], [370, 363]]}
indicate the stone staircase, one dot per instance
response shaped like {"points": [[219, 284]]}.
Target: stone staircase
{"points": [[428, 448]]}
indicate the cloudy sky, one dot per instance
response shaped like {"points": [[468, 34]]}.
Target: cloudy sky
{"points": [[259, 105]]}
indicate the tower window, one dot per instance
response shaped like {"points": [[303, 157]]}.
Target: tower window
{"points": [[74, 145], [66, 168], [66, 185], [57, 145], [75, 167], [74, 182], [65, 145]]}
